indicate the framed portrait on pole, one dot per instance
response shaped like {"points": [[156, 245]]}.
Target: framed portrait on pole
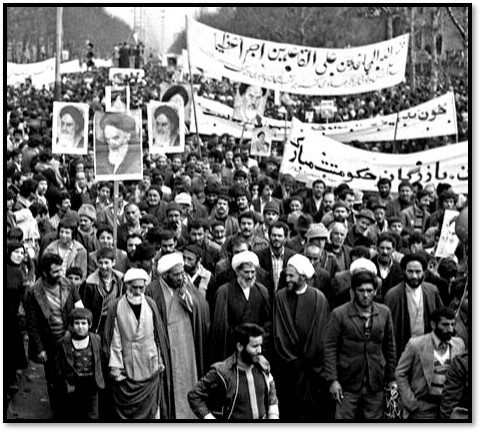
{"points": [[70, 128], [165, 123]]}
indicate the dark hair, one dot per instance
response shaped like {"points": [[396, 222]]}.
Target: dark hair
{"points": [[345, 193], [80, 313], [404, 183], [442, 312], [167, 235], [15, 234], [264, 181], [384, 180], [406, 259], [362, 277], [149, 218], [360, 251], [196, 250], [416, 237], [105, 253], [74, 270], [103, 228], [76, 115], [48, 260], [37, 208], [447, 268], [28, 187], [318, 181], [385, 236], [279, 224], [103, 184], [247, 215], [245, 331], [174, 90], [243, 88], [153, 235], [134, 235], [196, 224]]}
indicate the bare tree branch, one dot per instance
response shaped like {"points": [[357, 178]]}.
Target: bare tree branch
{"points": [[456, 23]]}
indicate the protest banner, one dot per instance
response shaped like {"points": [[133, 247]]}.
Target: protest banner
{"points": [[448, 240], [308, 156], [436, 117], [297, 69], [70, 128]]}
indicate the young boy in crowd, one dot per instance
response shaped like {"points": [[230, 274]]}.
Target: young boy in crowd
{"points": [[80, 369]]}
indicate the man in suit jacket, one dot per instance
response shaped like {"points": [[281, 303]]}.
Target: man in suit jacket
{"points": [[421, 371], [120, 152], [274, 258], [313, 204], [412, 301]]}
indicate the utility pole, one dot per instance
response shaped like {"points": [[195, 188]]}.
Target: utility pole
{"points": [[58, 57]]}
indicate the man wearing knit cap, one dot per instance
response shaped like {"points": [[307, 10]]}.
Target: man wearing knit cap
{"points": [[359, 349], [117, 147], [242, 300], [87, 231], [185, 318], [135, 346], [299, 320], [271, 215], [317, 235], [356, 236]]}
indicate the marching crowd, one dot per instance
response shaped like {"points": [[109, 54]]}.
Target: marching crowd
{"points": [[229, 291]]}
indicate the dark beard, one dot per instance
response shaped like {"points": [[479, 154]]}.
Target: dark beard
{"points": [[246, 357]]}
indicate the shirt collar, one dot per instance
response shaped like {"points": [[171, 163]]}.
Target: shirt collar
{"points": [[437, 342], [281, 255]]}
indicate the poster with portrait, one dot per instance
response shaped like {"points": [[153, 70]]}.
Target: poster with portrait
{"points": [[118, 145], [249, 103], [448, 240], [70, 128], [117, 98], [180, 94], [117, 76], [261, 142], [165, 122]]}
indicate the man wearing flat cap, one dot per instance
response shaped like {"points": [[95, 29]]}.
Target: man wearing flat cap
{"points": [[360, 350], [239, 301], [357, 236], [136, 347], [300, 316], [118, 151], [185, 317]]}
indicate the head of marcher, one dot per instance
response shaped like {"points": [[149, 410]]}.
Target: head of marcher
{"points": [[245, 264], [135, 281], [171, 269], [248, 338], [298, 272]]}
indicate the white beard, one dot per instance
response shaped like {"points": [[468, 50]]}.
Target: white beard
{"points": [[134, 300], [66, 140]]}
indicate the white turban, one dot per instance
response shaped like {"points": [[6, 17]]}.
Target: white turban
{"points": [[362, 265], [135, 274], [302, 265], [169, 261], [243, 258]]}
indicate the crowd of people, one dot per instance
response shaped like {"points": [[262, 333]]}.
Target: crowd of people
{"points": [[220, 289]]}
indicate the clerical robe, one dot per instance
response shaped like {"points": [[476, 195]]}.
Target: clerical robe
{"points": [[298, 325], [138, 346]]}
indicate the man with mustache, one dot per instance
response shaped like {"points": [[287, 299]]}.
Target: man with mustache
{"points": [[300, 316], [242, 300], [240, 387], [412, 301], [421, 371], [120, 151]]}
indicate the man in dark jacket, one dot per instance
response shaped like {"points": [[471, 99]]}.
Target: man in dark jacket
{"points": [[359, 349]]}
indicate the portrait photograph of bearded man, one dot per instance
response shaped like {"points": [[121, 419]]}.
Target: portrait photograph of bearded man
{"points": [[70, 123], [117, 146], [166, 128], [249, 104]]}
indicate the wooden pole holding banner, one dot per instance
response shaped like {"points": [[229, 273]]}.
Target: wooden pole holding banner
{"points": [[242, 134], [395, 132], [116, 204], [192, 83], [58, 56]]}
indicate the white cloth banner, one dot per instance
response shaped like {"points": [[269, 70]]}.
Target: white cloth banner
{"points": [[41, 73], [297, 69], [309, 156], [436, 117]]}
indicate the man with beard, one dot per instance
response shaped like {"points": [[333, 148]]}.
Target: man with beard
{"points": [[412, 301], [317, 235], [299, 320], [271, 216], [380, 225], [240, 387], [71, 128], [313, 204], [249, 104], [185, 317], [120, 152], [302, 225], [136, 346], [165, 128], [133, 241], [336, 245], [200, 277], [101, 288], [339, 213], [421, 371], [357, 234], [211, 195], [197, 231], [87, 232], [359, 349], [48, 304], [247, 221], [221, 212], [384, 188], [237, 302]]}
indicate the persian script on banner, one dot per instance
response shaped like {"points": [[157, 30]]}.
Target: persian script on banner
{"points": [[309, 156], [436, 117], [297, 69]]}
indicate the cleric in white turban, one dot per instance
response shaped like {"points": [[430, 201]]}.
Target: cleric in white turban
{"points": [[243, 258], [302, 265], [169, 261], [362, 265], [135, 274]]}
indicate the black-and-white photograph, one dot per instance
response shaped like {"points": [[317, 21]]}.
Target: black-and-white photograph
{"points": [[70, 128], [239, 213], [117, 99], [118, 145], [166, 127]]}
